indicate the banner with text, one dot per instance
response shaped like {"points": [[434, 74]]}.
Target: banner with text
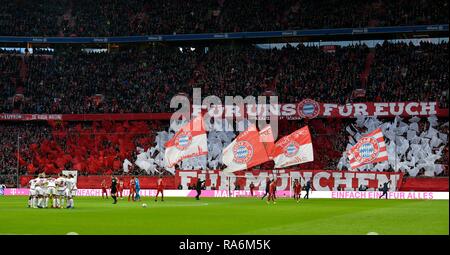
{"points": [[305, 109], [320, 179], [246, 193]]}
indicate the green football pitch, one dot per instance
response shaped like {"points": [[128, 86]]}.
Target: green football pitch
{"points": [[186, 216]]}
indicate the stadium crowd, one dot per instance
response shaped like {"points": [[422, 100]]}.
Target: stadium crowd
{"points": [[101, 147], [134, 80], [139, 17], [408, 73], [91, 147], [144, 78], [12, 136]]}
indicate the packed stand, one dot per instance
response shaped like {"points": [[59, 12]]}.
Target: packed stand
{"points": [[404, 72], [310, 72], [102, 147], [135, 80], [19, 135], [90, 147], [32, 18], [129, 81], [138, 17]]}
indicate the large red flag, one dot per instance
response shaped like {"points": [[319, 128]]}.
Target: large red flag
{"points": [[268, 140], [246, 151]]}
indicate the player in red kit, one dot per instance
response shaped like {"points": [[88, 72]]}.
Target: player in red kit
{"points": [[132, 189], [252, 187], [160, 187], [272, 189], [104, 189], [120, 189], [297, 190]]}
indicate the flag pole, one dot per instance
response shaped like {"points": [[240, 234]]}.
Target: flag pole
{"points": [[229, 186], [290, 185], [395, 153], [18, 162]]}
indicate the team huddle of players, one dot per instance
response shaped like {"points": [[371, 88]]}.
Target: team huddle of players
{"points": [[52, 192]]}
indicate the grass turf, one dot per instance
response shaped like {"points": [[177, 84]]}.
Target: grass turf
{"points": [[94, 215]]}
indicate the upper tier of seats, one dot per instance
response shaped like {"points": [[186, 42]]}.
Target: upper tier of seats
{"points": [[139, 17], [145, 80]]}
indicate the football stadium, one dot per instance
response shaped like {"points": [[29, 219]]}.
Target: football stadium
{"points": [[224, 117]]}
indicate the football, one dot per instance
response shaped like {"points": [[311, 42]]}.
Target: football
{"points": [[144, 205]]}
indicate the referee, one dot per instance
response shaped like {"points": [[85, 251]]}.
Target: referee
{"points": [[385, 189], [307, 188], [198, 188], [114, 189]]}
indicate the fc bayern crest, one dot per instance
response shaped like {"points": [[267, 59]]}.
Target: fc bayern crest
{"points": [[243, 152], [183, 140], [308, 108], [291, 149], [366, 150]]}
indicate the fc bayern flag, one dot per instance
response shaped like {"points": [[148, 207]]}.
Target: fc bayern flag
{"points": [[190, 141], [268, 139], [293, 149], [246, 151], [371, 148]]}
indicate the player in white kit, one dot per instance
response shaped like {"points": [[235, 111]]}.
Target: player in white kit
{"points": [[70, 191], [51, 192], [74, 188], [61, 189], [40, 190], [32, 200], [44, 187]]}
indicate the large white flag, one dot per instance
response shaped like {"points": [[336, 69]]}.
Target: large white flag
{"points": [[370, 149], [190, 141], [293, 149], [125, 165]]}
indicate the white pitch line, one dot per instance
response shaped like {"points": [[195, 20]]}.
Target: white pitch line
{"points": [[12, 234], [179, 205]]}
